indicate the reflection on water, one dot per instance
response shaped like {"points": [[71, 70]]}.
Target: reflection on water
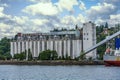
{"points": [[13, 72]]}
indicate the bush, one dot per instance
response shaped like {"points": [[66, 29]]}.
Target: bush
{"points": [[20, 56], [48, 55], [2, 57], [29, 55]]}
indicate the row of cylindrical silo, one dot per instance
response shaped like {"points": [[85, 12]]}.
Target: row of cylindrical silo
{"points": [[70, 48]]}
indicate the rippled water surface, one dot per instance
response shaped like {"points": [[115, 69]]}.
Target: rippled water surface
{"points": [[14, 72]]}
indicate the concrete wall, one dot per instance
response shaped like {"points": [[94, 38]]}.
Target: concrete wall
{"points": [[70, 47], [89, 38]]}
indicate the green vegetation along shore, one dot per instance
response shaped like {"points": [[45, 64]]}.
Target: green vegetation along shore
{"points": [[51, 62]]}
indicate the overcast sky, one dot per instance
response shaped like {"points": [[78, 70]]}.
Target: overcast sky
{"points": [[28, 16]]}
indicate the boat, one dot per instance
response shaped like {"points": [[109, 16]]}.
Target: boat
{"points": [[114, 62], [112, 57]]}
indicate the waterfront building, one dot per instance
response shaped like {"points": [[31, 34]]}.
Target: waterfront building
{"points": [[65, 42], [89, 38]]}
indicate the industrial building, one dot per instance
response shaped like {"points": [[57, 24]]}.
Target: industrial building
{"points": [[65, 42]]}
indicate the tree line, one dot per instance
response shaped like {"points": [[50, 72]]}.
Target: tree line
{"points": [[5, 49], [44, 55]]}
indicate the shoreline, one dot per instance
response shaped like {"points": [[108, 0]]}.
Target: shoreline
{"points": [[50, 63]]}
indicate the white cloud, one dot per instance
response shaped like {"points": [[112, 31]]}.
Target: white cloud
{"points": [[101, 10], [4, 5], [68, 20], [7, 34], [4, 27], [17, 29], [36, 29], [71, 21], [66, 4], [2, 14], [47, 9], [39, 22], [112, 1], [39, 0], [44, 15], [1, 11], [82, 6], [115, 17], [81, 18], [99, 21], [20, 20]]}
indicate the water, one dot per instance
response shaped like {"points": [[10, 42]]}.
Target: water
{"points": [[14, 72]]}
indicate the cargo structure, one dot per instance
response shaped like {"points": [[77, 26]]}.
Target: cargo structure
{"points": [[64, 42], [112, 57]]}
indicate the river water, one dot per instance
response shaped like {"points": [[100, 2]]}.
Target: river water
{"points": [[18, 72]]}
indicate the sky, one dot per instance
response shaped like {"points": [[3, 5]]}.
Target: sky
{"points": [[35, 16]]}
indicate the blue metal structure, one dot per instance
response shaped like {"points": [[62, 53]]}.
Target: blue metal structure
{"points": [[117, 43]]}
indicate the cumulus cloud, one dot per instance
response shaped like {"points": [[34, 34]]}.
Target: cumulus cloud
{"points": [[81, 18], [4, 27], [2, 14], [71, 20], [116, 3], [20, 20], [39, 22], [1, 11], [66, 4], [68, 20], [82, 6], [101, 10], [112, 1], [17, 29], [4, 5], [115, 17], [44, 15], [9, 25], [39, 1], [106, 11], [47, 9]]}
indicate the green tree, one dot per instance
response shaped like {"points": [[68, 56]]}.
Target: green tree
{"points": [[82, 56], [66, 57], [54, 55], [29, 55], [2, 57], [48, 55], [100, 36], [60, 58], [4, 45], [106, 25], [5, 48], [16, 56], [7, 56], [20, 56]]}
